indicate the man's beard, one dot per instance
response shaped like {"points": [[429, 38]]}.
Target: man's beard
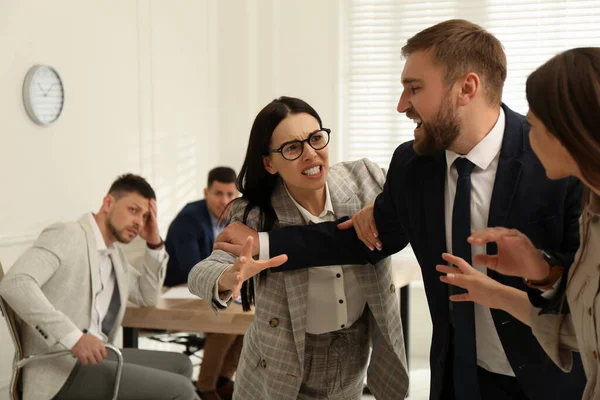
{"points": [[439, 134], [113, 230]]}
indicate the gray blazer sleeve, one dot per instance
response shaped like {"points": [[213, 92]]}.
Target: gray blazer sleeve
{"points": [[145, 285], [205, 275], [31, 271]]}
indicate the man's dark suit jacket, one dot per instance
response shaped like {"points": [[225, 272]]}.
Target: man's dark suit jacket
{"points": [[189, 240], [411, 210]]}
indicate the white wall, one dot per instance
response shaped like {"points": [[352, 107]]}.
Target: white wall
{"points": [[270, 48], [167, 89], [132, 73]]}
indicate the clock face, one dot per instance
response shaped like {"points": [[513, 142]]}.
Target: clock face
{"points": [[43, 94]]}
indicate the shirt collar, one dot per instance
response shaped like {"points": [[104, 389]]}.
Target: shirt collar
{"points": [[308, 217], [100, 243], [214, 220], [593, 205], [486, 150]]}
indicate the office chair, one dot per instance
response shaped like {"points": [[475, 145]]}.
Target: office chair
{"points": [[19, 361]]}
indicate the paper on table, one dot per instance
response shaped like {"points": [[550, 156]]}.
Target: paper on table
{"points": [[178, 292]]}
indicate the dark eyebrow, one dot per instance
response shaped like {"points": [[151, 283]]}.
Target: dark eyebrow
{"points": [[139, 208], [408, 81], [299, 140]]}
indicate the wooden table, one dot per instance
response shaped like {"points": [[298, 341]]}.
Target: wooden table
{"points": [[186, 315]]}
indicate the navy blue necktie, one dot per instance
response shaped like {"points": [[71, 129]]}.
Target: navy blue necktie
{"points": [[465, 353]]}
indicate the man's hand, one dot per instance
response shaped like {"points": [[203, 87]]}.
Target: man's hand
{"points": [[517, 256], [244, 268], [89, 349], [233, 238], [364, 224], [150, 230]]}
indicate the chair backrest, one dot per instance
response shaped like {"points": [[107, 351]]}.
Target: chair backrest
{"points": [[13, 329]]}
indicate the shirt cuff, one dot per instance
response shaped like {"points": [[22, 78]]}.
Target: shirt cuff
{"points": [[71, 339], [222, 298], [159, 254], [549, 293], [263, 241]]}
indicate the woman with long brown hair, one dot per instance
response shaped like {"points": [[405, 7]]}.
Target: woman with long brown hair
{"points": [[564, 114]]}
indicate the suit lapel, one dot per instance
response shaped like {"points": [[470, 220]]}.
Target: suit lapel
{"points": [[296, 282], [93, 257], [431, 194], [121, 285], [342, 189], [287, 213], [94, 265], [428, 194], [208, 231], [508, 174], [296, 287]]}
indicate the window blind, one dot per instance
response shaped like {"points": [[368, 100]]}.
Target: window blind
{"points": [[374, 31]]}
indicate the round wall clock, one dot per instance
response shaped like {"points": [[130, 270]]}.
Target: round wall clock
{"points": [[43, 94]]}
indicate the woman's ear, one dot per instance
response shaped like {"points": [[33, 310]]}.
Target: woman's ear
{"points": [[268, 166]]}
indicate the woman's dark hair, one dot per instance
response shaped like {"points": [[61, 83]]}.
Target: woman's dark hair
{"points": [[564, 94], [254, 182]]}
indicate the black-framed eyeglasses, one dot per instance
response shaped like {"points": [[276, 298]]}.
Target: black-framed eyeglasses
{"points": [[291, 151]]}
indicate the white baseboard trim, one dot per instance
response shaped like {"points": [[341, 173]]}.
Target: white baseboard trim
{"points": [[20, 238]]}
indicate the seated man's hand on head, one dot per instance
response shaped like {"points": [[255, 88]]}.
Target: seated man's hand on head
{"points": [[150, 231], [364, 225], [233, 238], [244, 268]]}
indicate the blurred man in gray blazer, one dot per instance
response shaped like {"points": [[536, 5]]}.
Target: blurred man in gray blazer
{"points": [[70, 290]]}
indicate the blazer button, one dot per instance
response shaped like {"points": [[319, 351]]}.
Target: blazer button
{"points": [[263, 363], [590, 311], [274, 323], [392, 288], [595, 355]]}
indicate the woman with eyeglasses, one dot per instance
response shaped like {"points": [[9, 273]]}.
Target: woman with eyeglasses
{"points": [[313, 328], [564, 114]]}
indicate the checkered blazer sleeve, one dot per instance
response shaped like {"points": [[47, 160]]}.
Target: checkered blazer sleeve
{"points": [[205, 275]]}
